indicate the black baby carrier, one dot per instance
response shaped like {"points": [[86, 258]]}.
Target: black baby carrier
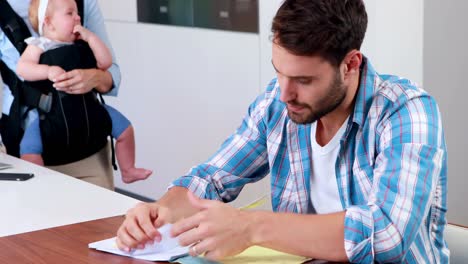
{"points": [[76, 126]]}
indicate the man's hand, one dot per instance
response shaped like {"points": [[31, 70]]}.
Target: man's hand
{"points": [[140, 226], [78, 81], [54, 72], [218, 230]]}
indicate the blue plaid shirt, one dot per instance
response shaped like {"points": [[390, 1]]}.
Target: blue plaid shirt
{"points": [[391, 170]]}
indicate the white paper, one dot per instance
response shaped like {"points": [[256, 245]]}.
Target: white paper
{"points": [[167, 249]]}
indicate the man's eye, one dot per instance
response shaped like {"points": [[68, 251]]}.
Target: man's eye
{"points": [[303, 81]]}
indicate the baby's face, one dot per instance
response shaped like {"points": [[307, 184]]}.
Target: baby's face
{"points": [[64, 17]]}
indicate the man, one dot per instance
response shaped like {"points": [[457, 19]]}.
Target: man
{"points": [[95, 169], [357, 159]]}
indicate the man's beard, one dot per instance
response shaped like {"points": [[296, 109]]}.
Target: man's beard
{"points": [[327, 104]]}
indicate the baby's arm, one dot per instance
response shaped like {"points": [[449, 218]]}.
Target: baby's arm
{"points": [[30, 69], [100, 50]]}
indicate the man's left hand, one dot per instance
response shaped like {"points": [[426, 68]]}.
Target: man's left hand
{"points": [[77, 81], [217, 230]]}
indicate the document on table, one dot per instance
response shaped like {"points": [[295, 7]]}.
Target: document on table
{"points": [[166, 250]]}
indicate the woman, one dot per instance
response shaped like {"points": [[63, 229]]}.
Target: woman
{"points": [[96, 168]]}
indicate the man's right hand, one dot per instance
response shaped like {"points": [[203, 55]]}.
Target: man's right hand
{"points": [[140, 226]]}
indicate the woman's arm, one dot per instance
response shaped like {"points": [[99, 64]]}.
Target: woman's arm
{"points": [[94, 21], [84, 80]]}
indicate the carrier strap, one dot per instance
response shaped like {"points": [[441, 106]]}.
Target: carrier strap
{"points": [[13, 26]]}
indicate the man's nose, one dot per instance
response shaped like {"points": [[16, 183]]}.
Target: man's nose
{"points": [[287, 88]]}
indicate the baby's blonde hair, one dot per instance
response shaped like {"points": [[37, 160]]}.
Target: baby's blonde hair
{"points": [[33, 13]]}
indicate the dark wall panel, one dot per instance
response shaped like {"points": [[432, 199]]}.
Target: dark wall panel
{"points": [[233, 15]]}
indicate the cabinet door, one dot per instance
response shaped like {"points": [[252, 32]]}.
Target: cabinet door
{"points": [[170, 12], [235, 15]]}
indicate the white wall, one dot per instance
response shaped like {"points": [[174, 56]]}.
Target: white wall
{"points": [[394, 39], [184, 89], [196, 84], [267, 11], [445, 72]]}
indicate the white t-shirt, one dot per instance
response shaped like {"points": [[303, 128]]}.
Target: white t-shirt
{"points": [[323, 186]]}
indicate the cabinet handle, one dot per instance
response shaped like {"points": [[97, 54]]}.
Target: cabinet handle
{"points": [[223, 14], [163, 9]]}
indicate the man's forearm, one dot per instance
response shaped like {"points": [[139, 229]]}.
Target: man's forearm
{"points": [[315, 236], [176, 200]]}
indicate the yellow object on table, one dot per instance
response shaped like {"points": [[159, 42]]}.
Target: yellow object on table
{"points": [[259, 255]]}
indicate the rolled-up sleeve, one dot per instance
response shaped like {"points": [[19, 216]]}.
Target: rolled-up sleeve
{"points": [[241, 159], [411, 155], [94, 21]]}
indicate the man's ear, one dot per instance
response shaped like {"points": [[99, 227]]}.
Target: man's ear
{"points": [[352, 62]]}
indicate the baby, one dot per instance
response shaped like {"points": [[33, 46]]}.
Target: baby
{"points": [[59, 25]]}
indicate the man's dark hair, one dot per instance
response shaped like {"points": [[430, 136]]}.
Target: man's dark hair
{"points": [[327, 28]]}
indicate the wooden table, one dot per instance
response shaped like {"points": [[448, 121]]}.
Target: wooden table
{"points": [[64, 244]]}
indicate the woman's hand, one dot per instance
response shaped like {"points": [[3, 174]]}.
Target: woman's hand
{"points": [[83, 80]]}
